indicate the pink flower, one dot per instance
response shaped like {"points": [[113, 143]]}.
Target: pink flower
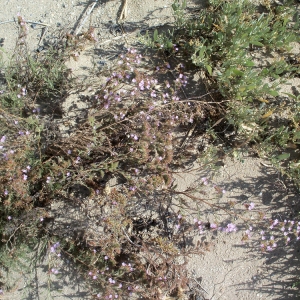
{"points": [[230, 228], [54, 271], [204, 180], [153, 94], [213, 226], [251, 206]]}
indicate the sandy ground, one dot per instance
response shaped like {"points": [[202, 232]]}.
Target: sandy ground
{"points": [[231, 269]]}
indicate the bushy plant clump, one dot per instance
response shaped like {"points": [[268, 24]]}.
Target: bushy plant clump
{"points": [[245, 51], [135, 241]]}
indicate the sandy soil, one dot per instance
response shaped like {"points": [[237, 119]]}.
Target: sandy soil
{"points": [[231, 269]]}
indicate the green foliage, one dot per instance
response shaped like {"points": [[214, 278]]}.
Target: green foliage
{"points": [[245, 55]]}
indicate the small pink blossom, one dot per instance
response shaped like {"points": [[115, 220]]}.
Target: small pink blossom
{"points": [[230, 228], [251, 206]]}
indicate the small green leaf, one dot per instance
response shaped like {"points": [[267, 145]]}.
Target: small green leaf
{"points": [[256, 43], [169, 45], [291, 95], [297, 135], [249, 63], [273, 93], [209, 69], [237, 72], [101, 173], [155, 35], [283, 156]]}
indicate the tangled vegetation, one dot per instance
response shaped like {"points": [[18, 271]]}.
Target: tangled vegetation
{"points": [[133, 234]]}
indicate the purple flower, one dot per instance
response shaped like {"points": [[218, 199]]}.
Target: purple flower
{"points": [[230, 228], [111, 281], [251, 206], [204, 180], [153, 94], [54, 271], [213, 226], [3, 139]]}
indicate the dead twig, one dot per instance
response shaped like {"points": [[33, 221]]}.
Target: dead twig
{"points": [[86, 17], [123, 14], [30, 22]]}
